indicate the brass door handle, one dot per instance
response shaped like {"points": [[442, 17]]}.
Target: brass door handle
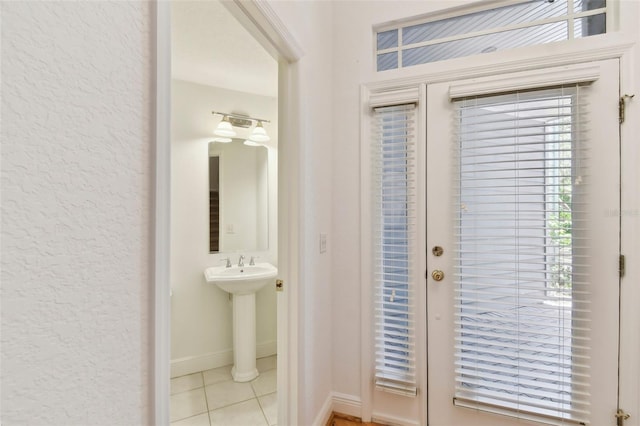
{"points": [[437, 275]]}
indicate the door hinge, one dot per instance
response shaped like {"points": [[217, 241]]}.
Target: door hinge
{"points": [[279, 285], [621, 416], [621, 265], [622, 107]]}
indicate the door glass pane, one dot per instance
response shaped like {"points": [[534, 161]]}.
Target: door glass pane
{"points": [[522, 293], [394, 164]]}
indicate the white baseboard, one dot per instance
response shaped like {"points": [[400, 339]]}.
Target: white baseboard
{"points": [[266, 349], [347, 404], [325, 412], [193, 364]]}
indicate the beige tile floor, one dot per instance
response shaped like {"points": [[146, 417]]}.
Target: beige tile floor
{"points": [[212, 398]]}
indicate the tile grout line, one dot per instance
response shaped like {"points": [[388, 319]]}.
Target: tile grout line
{"points": [[237, 402], [206, 400], [267, 394], [264, 415], [191, 390], [253, 389]]}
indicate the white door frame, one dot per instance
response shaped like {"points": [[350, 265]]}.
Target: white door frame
{"points": [[267, 28], [613, 46]]}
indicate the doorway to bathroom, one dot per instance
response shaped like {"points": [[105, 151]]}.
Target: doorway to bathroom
{"points": [[224, 88], [224, 69]]}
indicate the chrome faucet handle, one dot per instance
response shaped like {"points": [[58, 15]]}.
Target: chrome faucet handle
{"points": [[252, 262], [228, 260], [241, 261]]}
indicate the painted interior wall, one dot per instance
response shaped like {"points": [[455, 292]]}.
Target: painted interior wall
{"points": [[311, 25], [201, 325], [353, 43], [76, 213]]}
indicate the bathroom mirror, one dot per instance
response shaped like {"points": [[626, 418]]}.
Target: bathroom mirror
{"points": [[238, 197]]}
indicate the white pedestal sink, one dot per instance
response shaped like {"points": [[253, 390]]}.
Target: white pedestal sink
{"points": [[243, 282]]}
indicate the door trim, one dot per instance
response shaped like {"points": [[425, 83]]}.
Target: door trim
{"points": [[265, 25]]}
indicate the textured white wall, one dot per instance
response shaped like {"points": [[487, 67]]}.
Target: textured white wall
{"points": [[201, 313], [76, 175]]}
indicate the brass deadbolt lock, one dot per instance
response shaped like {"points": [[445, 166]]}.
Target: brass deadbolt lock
{"points": [[437, 251], [437, 275]]}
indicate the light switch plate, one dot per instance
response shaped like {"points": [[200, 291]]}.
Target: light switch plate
{"points": [[323, 243]]}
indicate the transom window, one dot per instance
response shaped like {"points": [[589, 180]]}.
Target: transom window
{"points": [[525, 23]]}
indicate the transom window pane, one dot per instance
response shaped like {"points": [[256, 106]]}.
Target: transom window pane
{"points": [[540, 34], [582, 5], [527, 23], [387, 39], [487, 19]]}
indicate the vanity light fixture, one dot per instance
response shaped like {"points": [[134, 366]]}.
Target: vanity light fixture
{"points": [[224, 128]]}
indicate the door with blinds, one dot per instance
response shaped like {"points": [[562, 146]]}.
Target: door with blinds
{"points": [[522, 281]]}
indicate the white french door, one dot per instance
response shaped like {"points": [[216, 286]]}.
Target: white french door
{"points": [[522, 281]]}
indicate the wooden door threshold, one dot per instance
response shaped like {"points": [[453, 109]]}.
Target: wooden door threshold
{"points": [[339, 419]]}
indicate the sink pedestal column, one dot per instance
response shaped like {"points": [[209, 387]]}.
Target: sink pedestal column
{"points": [[244, 338]]}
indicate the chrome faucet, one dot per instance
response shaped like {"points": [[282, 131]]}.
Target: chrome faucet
{"points": [[252, 262], [228, 259], [241, 261]]}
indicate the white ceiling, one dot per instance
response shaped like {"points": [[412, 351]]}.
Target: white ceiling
{"points": [[210, 47]]}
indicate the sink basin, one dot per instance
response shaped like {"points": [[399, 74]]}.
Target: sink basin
{"points": [[241, 279]]}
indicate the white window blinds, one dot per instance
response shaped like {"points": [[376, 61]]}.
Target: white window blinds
{"points": [[522, 287], [394, 198]]}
